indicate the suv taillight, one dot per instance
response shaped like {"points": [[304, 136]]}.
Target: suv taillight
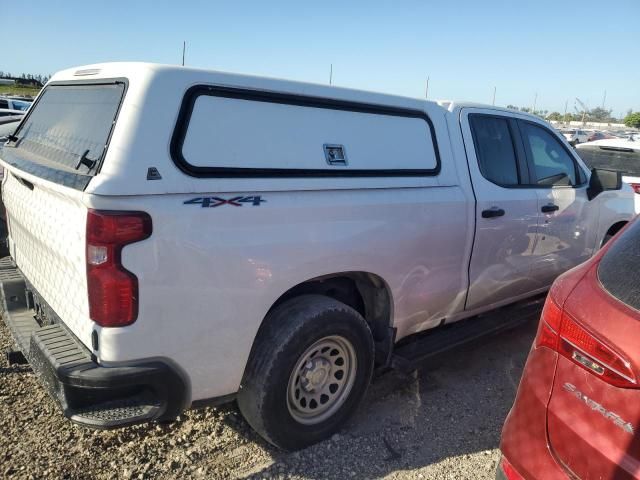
{"points": [[113, 290], [561, 332], [507, 470]]}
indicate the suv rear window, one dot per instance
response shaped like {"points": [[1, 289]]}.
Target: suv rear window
{"points": [[625, 160], [619, 269], [69, 123]]}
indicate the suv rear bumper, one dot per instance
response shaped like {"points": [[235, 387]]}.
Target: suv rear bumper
{"points": [[524, 442], [88, 393]]}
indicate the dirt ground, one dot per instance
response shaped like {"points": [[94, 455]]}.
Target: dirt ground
{"points": [[442, 422]]}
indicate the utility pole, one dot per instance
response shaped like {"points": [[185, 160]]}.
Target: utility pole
{"points": [[566, 104], [426, 91], [494, 96], [331, 74], [535, 100], [184, 47], [604, 98]]}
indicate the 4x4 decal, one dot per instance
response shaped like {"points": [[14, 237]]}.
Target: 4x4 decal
{"points": [[210, 202]]}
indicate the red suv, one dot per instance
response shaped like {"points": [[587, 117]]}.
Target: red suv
{"points": [[577, 410]]}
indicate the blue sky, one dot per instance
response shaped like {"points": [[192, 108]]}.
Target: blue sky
{"points": [[560, 49]]}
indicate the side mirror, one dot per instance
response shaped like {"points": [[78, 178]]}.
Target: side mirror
{"points": [[602, 180]]}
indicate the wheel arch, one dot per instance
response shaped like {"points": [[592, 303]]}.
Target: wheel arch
{"points": [[365, 292], [613, 229]]}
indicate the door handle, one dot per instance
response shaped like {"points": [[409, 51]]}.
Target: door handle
{"points": [[549, 208], [492, 212]]}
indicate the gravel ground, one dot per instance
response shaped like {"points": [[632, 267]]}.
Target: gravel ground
{"points": [[442, 422]]}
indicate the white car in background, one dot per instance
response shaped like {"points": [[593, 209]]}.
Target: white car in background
{"points": [[18, 104], [620, 154], [8, 112], [575, 136]]}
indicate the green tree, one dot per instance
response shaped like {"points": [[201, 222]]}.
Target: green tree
{"points": [[512, 107], [632, 120], [599, 114], [555, 116]]}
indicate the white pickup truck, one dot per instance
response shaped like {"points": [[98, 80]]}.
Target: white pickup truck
{"points": [[181, 237]]}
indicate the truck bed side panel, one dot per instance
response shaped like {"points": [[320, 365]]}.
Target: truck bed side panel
{"points": [[209, 275]]}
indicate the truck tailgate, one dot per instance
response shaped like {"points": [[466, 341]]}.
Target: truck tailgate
{"points": [[47, 240]]}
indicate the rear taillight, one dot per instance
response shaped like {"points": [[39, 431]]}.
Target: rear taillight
{"points": [[636, 187], [508, 472], [113, 290], [561, 332]]}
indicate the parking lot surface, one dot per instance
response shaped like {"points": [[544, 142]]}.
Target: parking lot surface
{"points": [[441, 422]]}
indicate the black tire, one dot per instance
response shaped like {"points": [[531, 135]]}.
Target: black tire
{"points": [[285, 336]]}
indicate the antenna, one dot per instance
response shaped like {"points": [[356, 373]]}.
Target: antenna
{"points": [[331, 75], [184, 48]]}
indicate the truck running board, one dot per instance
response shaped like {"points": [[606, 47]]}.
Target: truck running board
{"points": [[115, 413], [416, 350]]}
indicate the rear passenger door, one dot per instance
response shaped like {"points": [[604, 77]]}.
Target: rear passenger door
{"points": [[506, 208], [565, 237]]}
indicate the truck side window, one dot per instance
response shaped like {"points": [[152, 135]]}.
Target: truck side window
{"points": [[552, 164], [4, 104], [494, 149]]}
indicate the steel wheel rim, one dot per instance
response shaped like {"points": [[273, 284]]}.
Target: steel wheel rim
{"points": [[321, 380]]}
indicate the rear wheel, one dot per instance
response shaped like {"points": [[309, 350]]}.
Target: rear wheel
{"points": [[308, 370]]}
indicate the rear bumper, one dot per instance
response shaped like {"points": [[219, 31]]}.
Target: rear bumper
{"points": [[88, 393], [524, 436]]}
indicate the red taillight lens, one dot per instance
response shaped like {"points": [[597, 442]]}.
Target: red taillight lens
{"points": [[559, 331], [636, 187], [113, 290], [549, 325], [509, 472], [584, 349]]}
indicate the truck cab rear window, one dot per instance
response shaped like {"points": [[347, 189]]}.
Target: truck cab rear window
{"points": [[69, 127], [494, 148]]}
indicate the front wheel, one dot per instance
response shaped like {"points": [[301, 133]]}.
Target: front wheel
{"points": [[308, 370]]}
